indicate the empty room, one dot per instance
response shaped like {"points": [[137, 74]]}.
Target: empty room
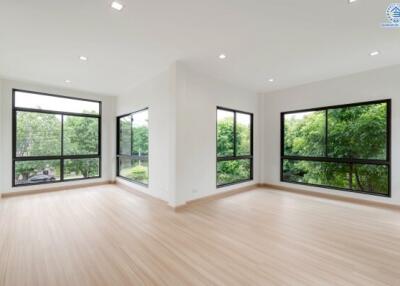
{"points": [[191, 143]]}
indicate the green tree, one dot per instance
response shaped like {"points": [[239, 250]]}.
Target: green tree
{"points": [[140, 144], [125, 132], [81, 138], [39, 134], [353, 132], [233, 170], [305, 135], [225, 137], [81, 135]]}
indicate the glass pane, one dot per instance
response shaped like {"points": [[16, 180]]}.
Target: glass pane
{"points": [[81, 168], [81, 135], [54, 103], [243, 134], [304, 134], [358, 132], [135, 170], [140, 129], [38, 134], [371, 178], [233, 171], [125, 132], [225, 133], [317, 173], [36, 172]]}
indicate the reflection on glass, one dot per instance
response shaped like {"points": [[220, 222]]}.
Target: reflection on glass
{"points": [[36, 172], [81, 168], [54, 103], [125, 135], [135, 170], [233, 171], [81, 135], [225, 133], [38, 134]]}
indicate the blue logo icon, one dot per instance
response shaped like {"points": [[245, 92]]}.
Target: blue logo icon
{"points": [[393, 15]]}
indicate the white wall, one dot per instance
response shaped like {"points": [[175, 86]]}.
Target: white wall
{"points": [[108, 131], [2, 137], [156, 94], [197, 99], [182, 121], [373, 85]]}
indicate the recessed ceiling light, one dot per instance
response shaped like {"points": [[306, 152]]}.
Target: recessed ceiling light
{"points": [[222, 56], [67, 81], [83, 58], [374, 53], [271, 80], [117, 6], [352, 1]]}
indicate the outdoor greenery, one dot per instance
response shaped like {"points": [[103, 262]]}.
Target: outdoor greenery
{"points": [[125, 135], [25, 170], [233, 170], [134, 170], [140, 144], [225, 137], [81, 135], [39, 134], [81, 168], [356, 132], [134, 142]]}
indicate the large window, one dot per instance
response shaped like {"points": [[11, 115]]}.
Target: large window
{"points": [[55, 138], [234, 147], [343, 147], [133, 147]]}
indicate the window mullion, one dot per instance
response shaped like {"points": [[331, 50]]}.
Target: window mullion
{"points": [[62, 149], [131, 151], [234, 135], [326, 133]]}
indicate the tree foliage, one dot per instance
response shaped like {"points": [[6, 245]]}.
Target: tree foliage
{"points": [[39, 134], [134, 141], [81, 135], [233, 170], [358, 132]]}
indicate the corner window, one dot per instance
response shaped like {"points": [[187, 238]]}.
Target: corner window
{"points": [[133, 147], [344, 147], [234, 147], [55, 138]]}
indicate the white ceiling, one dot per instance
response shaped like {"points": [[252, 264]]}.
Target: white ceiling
{"points": [[293, 41]]}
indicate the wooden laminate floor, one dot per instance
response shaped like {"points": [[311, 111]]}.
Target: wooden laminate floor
{"points": [[107, 236]]}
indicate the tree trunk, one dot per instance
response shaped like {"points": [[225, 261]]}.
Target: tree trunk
{"points": [[358, 180]]}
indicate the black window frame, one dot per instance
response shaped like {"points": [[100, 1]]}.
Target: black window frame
{"points": [[131, 157], [349, 161], [62, 157], [235, 157]]}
